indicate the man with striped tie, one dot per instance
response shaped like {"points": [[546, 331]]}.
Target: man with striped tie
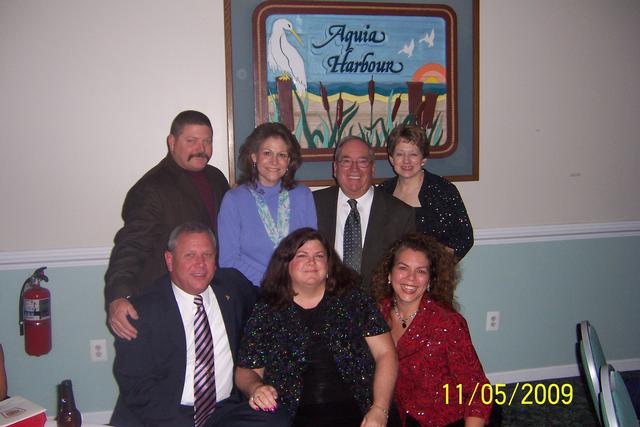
{"points": [[179, 370]]}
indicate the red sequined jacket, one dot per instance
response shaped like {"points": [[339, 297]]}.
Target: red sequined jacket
{"points": [[439, 368]]}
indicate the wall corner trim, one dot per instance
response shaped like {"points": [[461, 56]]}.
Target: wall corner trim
{"points": [[72, 257], [548, 233], [553, 372]]}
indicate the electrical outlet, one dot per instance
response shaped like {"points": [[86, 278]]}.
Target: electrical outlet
{"points": [[493, 320], [98, 350]]}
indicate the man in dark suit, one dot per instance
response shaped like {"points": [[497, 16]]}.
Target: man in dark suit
{"points": [[383, 218], [158, 372], [182, 187]]}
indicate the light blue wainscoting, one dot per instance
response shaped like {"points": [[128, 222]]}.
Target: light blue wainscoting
{"points": [[542, 290]]}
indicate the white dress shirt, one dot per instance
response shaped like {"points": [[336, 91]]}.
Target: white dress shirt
{"points": [[342, 212], [223, 361]]}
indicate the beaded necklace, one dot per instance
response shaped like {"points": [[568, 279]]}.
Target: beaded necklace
{"points": [[403, 321]]}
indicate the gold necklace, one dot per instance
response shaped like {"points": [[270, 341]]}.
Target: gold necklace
{"points": [[403, 321]]}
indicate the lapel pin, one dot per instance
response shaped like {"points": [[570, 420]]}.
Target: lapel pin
{"points": [[227, 297]]}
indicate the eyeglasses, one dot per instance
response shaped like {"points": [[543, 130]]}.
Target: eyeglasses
{"points": [[362, 163], [283, 156]]}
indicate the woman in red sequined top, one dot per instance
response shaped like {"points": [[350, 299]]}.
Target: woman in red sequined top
{"points": [[439, 368]]}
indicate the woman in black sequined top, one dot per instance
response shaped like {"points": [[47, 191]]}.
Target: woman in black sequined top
{"points": [[440, 211], [316, 344]]}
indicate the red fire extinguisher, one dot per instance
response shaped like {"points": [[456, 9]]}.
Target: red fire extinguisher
{"points": [[35, 314]]}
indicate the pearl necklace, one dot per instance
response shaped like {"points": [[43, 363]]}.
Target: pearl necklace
{"points": [[403, 321]]}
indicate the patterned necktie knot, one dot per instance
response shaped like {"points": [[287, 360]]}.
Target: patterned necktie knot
{"points": [[197, 300]]}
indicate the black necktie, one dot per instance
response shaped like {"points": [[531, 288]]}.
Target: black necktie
{"points": [[352, 243]]}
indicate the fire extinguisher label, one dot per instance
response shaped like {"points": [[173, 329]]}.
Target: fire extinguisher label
{"points": [[37, 309]]}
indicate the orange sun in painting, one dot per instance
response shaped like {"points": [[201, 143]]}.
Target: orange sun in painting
{"points": [[430, 73]]}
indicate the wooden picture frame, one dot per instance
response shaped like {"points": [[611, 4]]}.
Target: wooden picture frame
{"points": [[376, 37]]}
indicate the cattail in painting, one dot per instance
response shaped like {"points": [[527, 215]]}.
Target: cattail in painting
{"points": [[396, 107], [418, 119], [325, 97], [372, 91], [372, 98], [325, 102], [339, 107]]}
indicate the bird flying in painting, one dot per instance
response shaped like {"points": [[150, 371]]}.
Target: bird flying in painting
{"points": [[408, 48], [429, 38]]}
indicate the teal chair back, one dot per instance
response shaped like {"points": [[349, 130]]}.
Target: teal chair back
{"points": [[592, 360], [615, 402]]}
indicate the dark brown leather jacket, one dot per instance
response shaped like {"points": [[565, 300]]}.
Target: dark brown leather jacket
{"points": [[162, 199]]}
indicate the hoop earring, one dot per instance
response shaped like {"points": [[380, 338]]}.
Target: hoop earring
{"points": [[429, 286]]}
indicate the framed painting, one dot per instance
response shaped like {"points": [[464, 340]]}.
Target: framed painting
{"points": [[331, 69]]}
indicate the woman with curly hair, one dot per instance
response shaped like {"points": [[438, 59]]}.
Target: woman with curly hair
{"points": [[316, 345], [414, 285], [267, 205]]}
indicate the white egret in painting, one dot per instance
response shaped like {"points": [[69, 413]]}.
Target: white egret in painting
{"points": [[408, 48], [283, 57]]}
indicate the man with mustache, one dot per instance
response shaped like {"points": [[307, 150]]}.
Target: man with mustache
{"points": [[182, 187]]}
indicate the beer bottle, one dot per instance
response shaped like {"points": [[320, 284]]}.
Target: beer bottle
{"points": [[68, 414]]}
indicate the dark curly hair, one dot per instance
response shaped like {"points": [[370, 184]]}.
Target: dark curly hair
{"points": [[411, 133], [276, 288], [252, 146], [443, 271]]}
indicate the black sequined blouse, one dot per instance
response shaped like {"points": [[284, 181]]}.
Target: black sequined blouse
{"points": [[442, 214], [276, 341]]}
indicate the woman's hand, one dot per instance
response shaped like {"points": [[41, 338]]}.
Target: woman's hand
{"points": [[375, 417], [264, 398]]}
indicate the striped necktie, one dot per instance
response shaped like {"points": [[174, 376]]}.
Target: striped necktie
{"points": [[204, 381], [352, 243]]}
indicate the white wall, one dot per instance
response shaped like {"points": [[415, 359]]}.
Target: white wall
{"points": [[89, 89], [559, 113]]}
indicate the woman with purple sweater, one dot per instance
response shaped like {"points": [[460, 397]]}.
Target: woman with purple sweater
{"points": [[267, 205]]}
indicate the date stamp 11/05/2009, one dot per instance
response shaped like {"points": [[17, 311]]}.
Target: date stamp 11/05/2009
{"points": [[498, 394]]}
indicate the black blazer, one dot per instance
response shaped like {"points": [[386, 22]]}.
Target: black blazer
{"points": [[389, 219], [150, 369]]}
